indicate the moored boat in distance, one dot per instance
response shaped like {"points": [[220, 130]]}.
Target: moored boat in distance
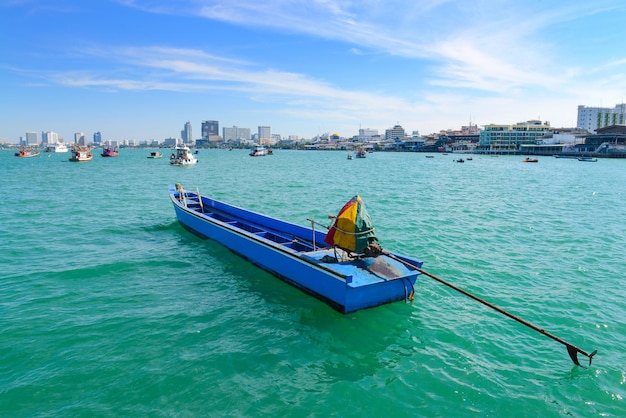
{"points": [[259, 151], [182, 156], [109, 152], [360, 153], [81, 154], [155, 154], [530, 160], [346, 268], [57, 147], [587, 159], [27, 153]]}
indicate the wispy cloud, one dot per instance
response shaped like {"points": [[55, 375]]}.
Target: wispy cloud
{"points": [[486, 45], [187, 70]]}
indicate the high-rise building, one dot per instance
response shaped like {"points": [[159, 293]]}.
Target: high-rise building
{"points": [[49, 137], [31, 138], [592, 118], [79, 138], [186, 135], [235, 134], [97, 138], [395, 133], [265, 135], [210, 128]]}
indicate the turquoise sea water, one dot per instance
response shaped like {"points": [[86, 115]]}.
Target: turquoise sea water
{"points": [[108, 307]]}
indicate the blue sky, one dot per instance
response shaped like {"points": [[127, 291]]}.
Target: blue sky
{"points": [[140, 69]]}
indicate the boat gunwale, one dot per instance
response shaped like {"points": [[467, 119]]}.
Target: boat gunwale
{"points": [[298, 255]]}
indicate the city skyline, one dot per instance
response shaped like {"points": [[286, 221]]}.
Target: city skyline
{"points": [[303, 68]]}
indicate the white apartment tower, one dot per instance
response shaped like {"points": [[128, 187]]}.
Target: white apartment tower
{"points": [[49, 137], [392, 134], [367, 134], [79, 138], [592, 118], [235, 134]]}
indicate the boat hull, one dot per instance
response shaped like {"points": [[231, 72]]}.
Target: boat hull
{"points": [[347, 286]]}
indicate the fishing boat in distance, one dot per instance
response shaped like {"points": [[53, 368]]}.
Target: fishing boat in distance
{"points": [[259, 151], [360, 153], [109, 152], [346, 267], [25, 152], [81, 154], [183, 156], [155, 154], [530, 160]]}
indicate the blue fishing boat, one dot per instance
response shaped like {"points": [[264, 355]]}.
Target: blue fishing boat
{"points": [[110, 152], [346, 267]]}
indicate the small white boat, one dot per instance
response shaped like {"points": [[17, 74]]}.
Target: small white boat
{"points": [[183, 156], [259, 151], [58, 147]]}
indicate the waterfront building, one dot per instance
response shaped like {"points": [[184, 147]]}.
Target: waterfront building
{"points": [[395, 133], [508, 138], [265, 135], [30, 139], [593, 118], [367, 135], [97, 138], [79, 138], [186, 134], [210, 129], [564, 136], [235, 134], [49, 137], [610, 141], [172, 142]]}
